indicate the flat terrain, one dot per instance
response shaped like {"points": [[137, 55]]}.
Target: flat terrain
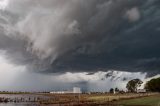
{"points": [[150, 99], [43, 99]]}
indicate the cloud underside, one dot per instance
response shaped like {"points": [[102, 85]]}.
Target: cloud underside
{"points": [[79, 35]]}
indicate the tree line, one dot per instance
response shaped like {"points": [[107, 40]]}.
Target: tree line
{"points": [[153, 85], [132, 86]]}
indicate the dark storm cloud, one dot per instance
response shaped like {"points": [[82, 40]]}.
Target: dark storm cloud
{"points": [[80, 35]]}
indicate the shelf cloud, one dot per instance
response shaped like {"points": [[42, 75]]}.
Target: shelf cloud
{"points": [[58, 36]]}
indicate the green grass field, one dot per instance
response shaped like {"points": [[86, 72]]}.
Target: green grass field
{"points": [[144, 101], [128, 100]]}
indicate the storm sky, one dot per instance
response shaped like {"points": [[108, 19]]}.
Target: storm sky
{"points": [[48, 42]]}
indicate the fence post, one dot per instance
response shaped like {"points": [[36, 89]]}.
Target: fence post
{"points": [[108, 101]]}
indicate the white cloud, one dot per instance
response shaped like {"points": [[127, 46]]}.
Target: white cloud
{"points": [[133, 14], [17, 78], [3, 4], [102, 81], [78, 77], [148, 79]]}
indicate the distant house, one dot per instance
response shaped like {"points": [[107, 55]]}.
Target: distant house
{"points": [[141, 91]]}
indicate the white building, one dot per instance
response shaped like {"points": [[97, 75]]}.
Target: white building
{"points": [[141, 91], [75, 90]]}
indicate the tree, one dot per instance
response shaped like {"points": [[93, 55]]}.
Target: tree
{"points": [[153, 85], [111, 90], [116, 90], [132, 85]]}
